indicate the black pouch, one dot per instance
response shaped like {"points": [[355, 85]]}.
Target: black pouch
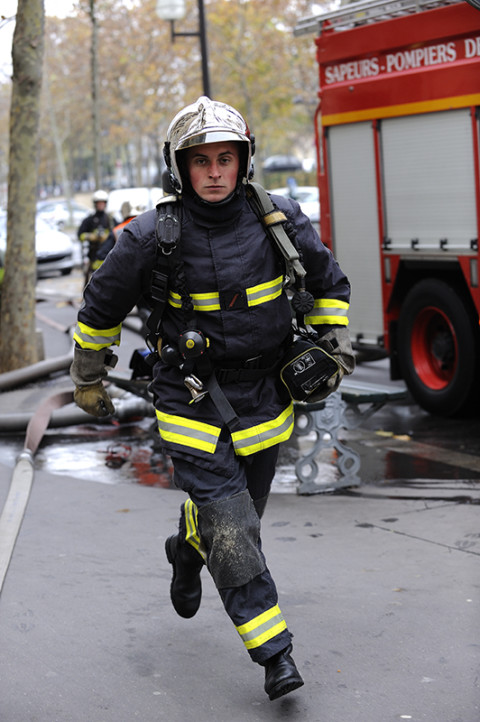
{"points": [[306, 368]]}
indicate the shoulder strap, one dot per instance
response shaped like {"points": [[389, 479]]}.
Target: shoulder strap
{"points": [[167, 234], [273, 219]]}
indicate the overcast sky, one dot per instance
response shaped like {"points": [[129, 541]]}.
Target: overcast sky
{"points": [[52, 7]]}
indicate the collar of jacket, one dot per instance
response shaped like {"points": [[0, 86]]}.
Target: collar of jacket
{"points": [[215, 214]]}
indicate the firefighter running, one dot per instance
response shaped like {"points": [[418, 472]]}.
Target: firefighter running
{"points": [[221, 407]]}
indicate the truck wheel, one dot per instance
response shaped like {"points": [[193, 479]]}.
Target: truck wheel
{"points": [[438, 348]]}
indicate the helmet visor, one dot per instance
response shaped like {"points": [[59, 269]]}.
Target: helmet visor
{"points": [[217, 136]]}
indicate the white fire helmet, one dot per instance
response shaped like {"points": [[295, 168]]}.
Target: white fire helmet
{"points": [[100, 196], [129, 211], [206, 121]]}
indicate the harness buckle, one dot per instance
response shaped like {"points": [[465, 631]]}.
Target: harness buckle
{"points": [[168, 232]]}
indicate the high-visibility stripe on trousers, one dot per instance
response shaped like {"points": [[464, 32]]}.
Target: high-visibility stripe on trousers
{"points": [[253, 607], [188, 433], [192, 535], [262, 628]]}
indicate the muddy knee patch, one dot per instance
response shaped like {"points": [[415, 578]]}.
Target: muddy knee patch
{"points": [[230, 529]]}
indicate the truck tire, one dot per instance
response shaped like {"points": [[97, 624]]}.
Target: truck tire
{"points": [[438, 348]]}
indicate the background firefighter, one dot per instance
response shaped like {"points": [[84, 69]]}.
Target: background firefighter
{"points": [[95, 230], [222, 409], [128, 212]]}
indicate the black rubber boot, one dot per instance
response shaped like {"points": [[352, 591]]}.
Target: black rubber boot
{"points": [[281, 674], [186, 586]]}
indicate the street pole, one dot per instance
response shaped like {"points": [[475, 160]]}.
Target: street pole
{"points": [[204, 49], [175, 10]]}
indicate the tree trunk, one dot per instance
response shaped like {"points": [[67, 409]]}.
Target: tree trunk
{"points": [[18, 346]]}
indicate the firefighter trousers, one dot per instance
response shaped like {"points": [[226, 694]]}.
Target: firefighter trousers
{"points": [[235, 503]]}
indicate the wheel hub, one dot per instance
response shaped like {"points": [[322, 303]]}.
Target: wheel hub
{"points": [[434, 350]]}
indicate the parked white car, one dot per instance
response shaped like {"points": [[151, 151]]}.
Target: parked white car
{"points": [[54, 250], [56, 211], [309, 200]]}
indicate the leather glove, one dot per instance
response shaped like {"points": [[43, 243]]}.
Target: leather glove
{"points": [[94, 400], [88, 369], [97, 236], [337, 343], [103, 235]]}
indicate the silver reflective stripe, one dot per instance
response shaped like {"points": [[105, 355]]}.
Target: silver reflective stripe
{"points": [[262, 628], [87, 337], [201, 301], [328, 310], [187, 432], [262, 293], [206, 301], [265, 291], [262, 436]]}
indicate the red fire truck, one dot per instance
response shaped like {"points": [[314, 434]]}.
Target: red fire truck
{"points": [[397, 133]]}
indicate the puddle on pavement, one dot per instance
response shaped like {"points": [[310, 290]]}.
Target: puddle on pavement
{"points": [[114, 454], [126, 453], [130, 453], [380, 464], [110, 454], [412, 476]]}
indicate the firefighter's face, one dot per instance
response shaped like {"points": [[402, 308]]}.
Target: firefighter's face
{"points": [[213, 169]]}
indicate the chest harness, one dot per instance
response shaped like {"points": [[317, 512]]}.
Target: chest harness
{"points": [[191, 350]]}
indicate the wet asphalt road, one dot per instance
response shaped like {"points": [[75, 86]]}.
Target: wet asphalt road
{"points": [[379, 583]]}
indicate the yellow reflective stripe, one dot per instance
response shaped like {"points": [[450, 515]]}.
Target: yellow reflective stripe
{"points": [[265, 291], [191, 521], [175, 300], [199, 435], [201, 301], [262, 628], [261, 293], [328, 310], [96, 264], [96, 338], [206, 301], [187, 432], [192, 536], [262, 436]]}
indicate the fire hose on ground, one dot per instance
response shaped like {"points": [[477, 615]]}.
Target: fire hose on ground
{"points": [[56, 411]]}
